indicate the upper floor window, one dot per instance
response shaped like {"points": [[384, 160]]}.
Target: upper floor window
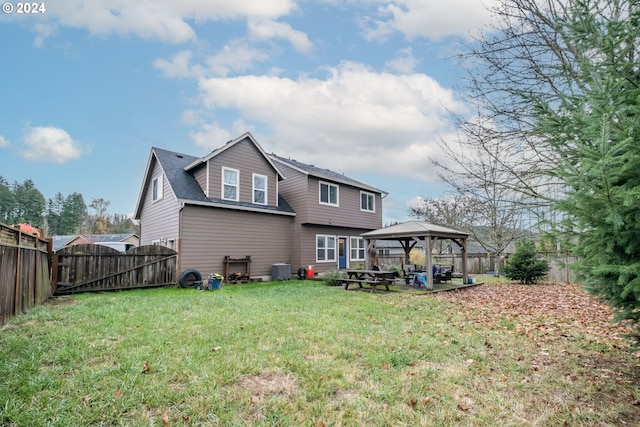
{"points": [[259, 189], [328, 194], [367, 202], [230, 184], [156, 188]]}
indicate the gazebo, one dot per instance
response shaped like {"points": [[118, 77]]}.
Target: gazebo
{"points": [[411, 233]]}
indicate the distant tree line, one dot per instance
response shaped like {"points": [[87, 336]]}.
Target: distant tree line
{"points": [[23, 203]]}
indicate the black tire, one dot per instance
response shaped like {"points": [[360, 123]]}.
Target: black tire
{"points": [[188, 278]]}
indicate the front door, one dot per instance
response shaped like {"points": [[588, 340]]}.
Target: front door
{"points": [[342, 252]]}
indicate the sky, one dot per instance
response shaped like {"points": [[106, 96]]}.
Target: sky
{"points": [[361, 87]]}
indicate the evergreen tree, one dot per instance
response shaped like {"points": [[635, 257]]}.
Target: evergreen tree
{"points": [[29, 204], [54, 211], [6, 200], [524, 265], [73, 215]]}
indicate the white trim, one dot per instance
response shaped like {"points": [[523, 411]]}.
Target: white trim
{"points": [[159, 193], [326, 249], [237, 185], [358, 248], [329, 185], [253, 189], [373, 198]]}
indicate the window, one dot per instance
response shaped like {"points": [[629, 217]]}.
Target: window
{"points": [[357, 249], [259, 189], [325, 248], [328, 194], [367, 202], [230, 184], [156, 188]]}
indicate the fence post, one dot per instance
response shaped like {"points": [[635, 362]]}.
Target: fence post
{"points": [[17, 282]]}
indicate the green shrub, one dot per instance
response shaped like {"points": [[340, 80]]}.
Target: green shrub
{"points": [[524, 266], [333, 277]]}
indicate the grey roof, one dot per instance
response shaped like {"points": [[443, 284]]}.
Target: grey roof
{"points": [[410, 229], [60, 241], [187, 189], [325, 173]]}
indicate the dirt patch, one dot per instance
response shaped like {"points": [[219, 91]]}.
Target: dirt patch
{"points": [[60, 301], [266, 385]]}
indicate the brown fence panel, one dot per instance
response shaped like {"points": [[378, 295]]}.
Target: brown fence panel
{"points": [[91, 268], [24, 271]]}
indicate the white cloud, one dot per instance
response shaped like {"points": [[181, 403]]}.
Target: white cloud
{"points": [[165, 20], [4, 142], [405, 63], [50, 144], [262, 29], [235, 56], [432, 19], [355, 119]]}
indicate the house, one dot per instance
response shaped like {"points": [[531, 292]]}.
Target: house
{"points": [[239, 202], [58, 242]]}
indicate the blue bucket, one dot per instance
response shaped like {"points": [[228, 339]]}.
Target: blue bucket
{"points": [[214, 283]]}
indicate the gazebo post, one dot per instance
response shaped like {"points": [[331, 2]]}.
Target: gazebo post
{"points": [[428, 262], [464, 261]]}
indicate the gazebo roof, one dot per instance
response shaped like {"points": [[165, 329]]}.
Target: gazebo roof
{"points": [[411, 229]]}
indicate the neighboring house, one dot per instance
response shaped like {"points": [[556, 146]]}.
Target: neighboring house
{"points": [[239, 201], [59, 242]]}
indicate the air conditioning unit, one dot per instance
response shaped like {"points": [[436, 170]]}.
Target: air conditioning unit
{"points": [[280, 272]]}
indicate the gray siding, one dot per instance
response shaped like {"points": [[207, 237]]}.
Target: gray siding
{"points": [[209, 234], [247, 159], [294, 190], [200, 176], [347, 213], [308, 246], [159, 219]]}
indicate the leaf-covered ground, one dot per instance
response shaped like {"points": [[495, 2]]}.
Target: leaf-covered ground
{"points": [[551, 315]]}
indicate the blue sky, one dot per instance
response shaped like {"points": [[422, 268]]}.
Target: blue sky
{"points": [[357, 86]]}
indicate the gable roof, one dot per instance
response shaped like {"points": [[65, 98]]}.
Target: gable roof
{"points": [[228, 145], [176, 168], [410, 229], [324, 173]]}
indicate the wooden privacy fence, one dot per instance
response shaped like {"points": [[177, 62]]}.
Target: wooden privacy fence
{"points": [[24, 271], [85, 268]]}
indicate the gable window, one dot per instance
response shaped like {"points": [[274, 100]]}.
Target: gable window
{"points": [[230, 184], [367, 202], [156, 188], [259, 189], [325, 248], [328, 194], [357, 249]]}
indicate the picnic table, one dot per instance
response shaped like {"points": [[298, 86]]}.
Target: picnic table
{"points": [[372, 278]]}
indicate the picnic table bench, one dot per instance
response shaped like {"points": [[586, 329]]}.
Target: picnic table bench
{"points": [[373, 278]]}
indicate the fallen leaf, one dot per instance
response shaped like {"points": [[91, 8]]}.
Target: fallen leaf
{"points": [[413, 402], [462, 407], [165, 420], [386, 366], [216, 348], [87, 399], [426, 400], [145, 368], [118, 394]]}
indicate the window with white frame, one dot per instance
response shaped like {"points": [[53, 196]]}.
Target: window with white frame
{"points": [[328, 194], [325, 248], [259, 189], [357, 249], [230, 178], [156, 188], [367, 202]]}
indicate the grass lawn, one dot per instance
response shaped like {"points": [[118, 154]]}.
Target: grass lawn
{"points": [[305, 354]]}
